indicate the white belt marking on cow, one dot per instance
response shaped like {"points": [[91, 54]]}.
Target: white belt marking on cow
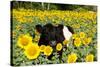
{"points": [[67, 34]]}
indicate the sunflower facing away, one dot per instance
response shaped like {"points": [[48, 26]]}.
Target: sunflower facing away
{"points": [[74, 36], [72, 58], [87, 41], [65, 42], [89, 58], [77, 42]]}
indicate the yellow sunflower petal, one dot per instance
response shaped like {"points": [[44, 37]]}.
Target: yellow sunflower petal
{"points": [[82, 34], [59, 46], [48, 50], [86, 41], [24, 40], [74, 36], [72, 58], [65, 42], [89, 58], [32, 51], [42, 47], [77, 42]]}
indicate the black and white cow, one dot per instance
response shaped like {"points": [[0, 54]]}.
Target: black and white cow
{"points": [[51, 35]]}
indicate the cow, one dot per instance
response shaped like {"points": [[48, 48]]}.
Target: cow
{"points": [[52, 34]]}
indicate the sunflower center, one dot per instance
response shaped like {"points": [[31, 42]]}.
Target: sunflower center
{"points": [[77, 41], [72, 59], [32, 51], [58, 47], [24, 41], [48, 50]]}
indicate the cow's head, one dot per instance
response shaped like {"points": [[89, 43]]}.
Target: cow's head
{"points": [[50, 34]]}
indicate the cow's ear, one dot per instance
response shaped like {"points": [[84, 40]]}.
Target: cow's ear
{"points": [[38, 28], [60, 26]]}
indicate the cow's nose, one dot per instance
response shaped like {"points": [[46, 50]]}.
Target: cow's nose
{"points": [[53, 43]]}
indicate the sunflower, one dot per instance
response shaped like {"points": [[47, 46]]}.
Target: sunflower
{"points": [[65, 42], [89, 58], [86, 41], [48, 50], [42, 47], [72, 58], [77, 42], [32, 51], [59, 47], [24, 40], [74, 36], [36, 38], [82, 34]]}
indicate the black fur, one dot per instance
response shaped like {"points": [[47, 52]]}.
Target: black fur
{"points": [[70, 29], [51, 35]]}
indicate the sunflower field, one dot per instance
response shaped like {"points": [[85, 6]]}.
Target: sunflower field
{"points": [[82, 47]]}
